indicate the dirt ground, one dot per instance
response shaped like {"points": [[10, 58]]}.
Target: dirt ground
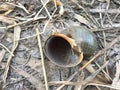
{"points": [[25, 26]]}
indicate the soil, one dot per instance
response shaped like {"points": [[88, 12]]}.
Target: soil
{"points": [[19, 22]]}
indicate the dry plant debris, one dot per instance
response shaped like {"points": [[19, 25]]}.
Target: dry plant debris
{"points": [[26, 24], [116, 81]]}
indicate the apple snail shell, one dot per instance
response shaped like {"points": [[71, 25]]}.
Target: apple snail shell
{"points": [[85, 40], [66, 49]]}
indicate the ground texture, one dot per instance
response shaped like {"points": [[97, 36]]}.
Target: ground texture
{"points": [[25, 25]]}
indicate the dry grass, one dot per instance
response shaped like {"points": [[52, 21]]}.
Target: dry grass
{"points": [[25, 25]]}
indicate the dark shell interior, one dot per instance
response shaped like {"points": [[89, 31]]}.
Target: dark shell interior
{"points": [[58, 50]]}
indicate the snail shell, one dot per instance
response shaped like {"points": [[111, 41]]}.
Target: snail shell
{"points": [[67, 48], [84, 38]]}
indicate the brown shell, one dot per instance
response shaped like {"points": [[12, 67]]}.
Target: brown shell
{"points": [[85, 40], [67, 50]]}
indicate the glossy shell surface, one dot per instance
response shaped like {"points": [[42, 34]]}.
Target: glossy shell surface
{"points": [[85, 39]]}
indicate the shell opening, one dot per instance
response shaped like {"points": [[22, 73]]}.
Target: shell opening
{"points": [[58, 50]]}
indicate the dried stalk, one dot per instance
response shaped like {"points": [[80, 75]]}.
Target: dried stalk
{"points": [[42, 58]]}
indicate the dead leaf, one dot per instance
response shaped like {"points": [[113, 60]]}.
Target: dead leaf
{"points": [[81, 19], [22, 6], [17, 31], [60, 4], [7, 19], [7, 8], [38, 85], [61, 12]]}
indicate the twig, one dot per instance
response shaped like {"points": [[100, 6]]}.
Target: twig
{"points": [[90, 78], [108, 77], [113, 42], [99, 53], [20, 23], [46, 8], [116, 15], [108, 86], [94, 30], [41, 9], [116, 80], [42, 58], [64, 82], [82, 82], [88, 3], [106, 14], [104, 29], [105, 53], [101, 18], [7, 49], [112, 11], [45, 26], [73, 75], [22, 7], [7, 68], [19, 6], [17, 31], [87, 14], [115, 25]]}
